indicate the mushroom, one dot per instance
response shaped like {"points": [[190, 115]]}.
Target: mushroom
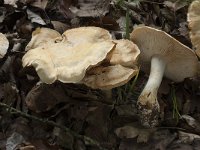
{"points": [[4, 44], [120, 66], [41, 37], [168, 58], [68, 59], [194, 22]]}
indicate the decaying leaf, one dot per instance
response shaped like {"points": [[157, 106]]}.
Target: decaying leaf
{"points": [[14, 140], [40, 3], [3, 45], [128, 131], [59, 26], [187, 137], [35, 18], [43, 97], [11, 2], [192, 123], [2, 14], [90, 8], [99, 129], [176, 5]]}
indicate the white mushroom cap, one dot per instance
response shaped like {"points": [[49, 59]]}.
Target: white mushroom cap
{"points": [[42, 36], [194, 24], [181, 61], [68, 60], [108, 77]]}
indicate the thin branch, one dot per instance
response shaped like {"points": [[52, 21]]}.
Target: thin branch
{"points": [[87, 140]]}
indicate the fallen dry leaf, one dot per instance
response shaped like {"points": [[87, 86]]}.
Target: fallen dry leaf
{"points": [[44, 97], [14, 140], [39, 3], [99, 129], [90, 8], [35, 18], [192, 123], [128, 131], [187, 137], [11, 2], [59, 26]]}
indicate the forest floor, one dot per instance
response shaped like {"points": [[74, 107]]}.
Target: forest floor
{"points": [[74, 117]]}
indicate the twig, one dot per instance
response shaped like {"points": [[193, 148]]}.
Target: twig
{"points": [[87, 140]]}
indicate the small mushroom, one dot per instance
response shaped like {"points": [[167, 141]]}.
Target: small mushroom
{"points": [[68, 59], [194, 24], [42, 36], [4, 44], [167, 57]]}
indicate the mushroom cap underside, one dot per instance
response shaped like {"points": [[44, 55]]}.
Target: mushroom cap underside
{"points": [[181, 61], [109, 77]]}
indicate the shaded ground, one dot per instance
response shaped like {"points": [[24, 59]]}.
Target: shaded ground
{"points": [[53, 109]]}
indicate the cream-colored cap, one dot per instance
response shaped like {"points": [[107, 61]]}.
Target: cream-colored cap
{"points": [[108, 77], [68, 59]]}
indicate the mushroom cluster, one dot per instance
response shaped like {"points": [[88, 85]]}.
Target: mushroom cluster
{"points": [[85, 55], [165, 56]]}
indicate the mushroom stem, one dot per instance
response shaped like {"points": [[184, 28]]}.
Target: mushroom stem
{"points": [[148, 105]]}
